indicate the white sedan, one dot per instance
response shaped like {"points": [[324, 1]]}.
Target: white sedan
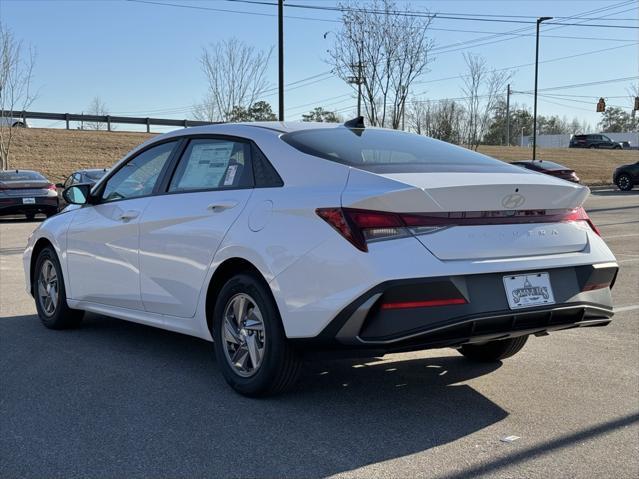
{"points": [[278, 240]]}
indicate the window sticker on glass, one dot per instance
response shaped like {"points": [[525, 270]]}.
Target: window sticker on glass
{"points": [[230, 175], [206, 166]]}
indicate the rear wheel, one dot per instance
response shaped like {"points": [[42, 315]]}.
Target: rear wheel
{"points": [[624, 182], [50, 295], [493, 350], [250, 345], [592, 147]]}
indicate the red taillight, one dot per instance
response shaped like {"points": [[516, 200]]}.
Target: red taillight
{"points": [[423, 304], [335, 218], [52, 187], [579, 214], [360, 226]]}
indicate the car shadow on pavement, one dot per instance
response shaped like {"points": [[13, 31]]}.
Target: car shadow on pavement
{"points": [[615, 192], [21, 219], [117, 399]]}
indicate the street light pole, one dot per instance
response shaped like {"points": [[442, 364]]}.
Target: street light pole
{"points": [[539, 20], [280, 56]]}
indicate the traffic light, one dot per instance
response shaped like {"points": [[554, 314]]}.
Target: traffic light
{"points": [[601, 105]]}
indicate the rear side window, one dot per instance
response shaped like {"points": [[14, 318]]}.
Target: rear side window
{"points": [[390, 151], [94, 175], [212, 164]]}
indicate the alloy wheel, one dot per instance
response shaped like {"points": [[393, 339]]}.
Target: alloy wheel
{"points": [[48, 287], [623, 182], [243, 334]]}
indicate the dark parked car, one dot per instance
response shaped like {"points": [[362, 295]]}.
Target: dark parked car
{"points": [[593, 141], [27, 192], [549, 168], [87, 176], [626, 176]]}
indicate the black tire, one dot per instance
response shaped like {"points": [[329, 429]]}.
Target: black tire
{"points": [[19, 124], [280, 364], [493, 350], [61, 317], [592, 147], [624, 182]]}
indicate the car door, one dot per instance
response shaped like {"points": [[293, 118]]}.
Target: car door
{"points": [[103, 238], [180, 231]]}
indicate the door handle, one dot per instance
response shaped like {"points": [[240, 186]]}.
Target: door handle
{"points": [[128, 215], [221, 206]]}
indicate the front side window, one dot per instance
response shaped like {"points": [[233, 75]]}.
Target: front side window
{"points": [[390, 151], [138, 177], [211, 164]]}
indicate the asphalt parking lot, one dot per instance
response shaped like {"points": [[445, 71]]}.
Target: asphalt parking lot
{"points": [[116, 399]]}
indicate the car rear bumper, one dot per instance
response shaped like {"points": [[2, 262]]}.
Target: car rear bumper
{"points": [[365, 325], [43, 204]]}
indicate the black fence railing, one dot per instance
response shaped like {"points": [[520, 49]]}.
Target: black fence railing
{"points": [[107, 120]]}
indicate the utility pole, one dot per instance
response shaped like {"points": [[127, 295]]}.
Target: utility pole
{"points": [[357, 80], [508, 115], [539, 20], [280, 47]]}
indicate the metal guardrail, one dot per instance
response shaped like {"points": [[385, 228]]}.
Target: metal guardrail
{"points": [[107, 119]]}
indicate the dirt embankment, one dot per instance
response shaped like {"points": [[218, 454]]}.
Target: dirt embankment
{"points": [[57, 153]]}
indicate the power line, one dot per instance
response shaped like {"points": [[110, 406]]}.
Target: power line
{"points": [[581, 85], [399, 12], [567, 57], [426, 15]]}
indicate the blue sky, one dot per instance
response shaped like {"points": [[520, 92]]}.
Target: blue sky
{"points": [[143, 59]]}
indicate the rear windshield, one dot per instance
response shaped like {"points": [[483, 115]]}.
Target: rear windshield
{"points": [[551, 165], [21, 176], [390, 151], [94, 175]]}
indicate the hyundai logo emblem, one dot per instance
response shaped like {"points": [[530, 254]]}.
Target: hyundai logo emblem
{"points": [[513, 201]]}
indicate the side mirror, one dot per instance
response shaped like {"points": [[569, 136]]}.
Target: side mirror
{"points": [[77, 194]]}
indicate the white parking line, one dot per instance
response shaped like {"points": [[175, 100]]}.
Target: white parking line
{"points": [[631, 307]]}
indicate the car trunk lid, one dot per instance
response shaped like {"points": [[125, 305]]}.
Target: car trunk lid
{"points": [[477, 208]]}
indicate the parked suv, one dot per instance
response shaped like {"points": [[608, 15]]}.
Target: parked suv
{"points": [[593, 141]]}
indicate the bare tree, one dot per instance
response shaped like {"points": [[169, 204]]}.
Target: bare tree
{"points": [[441, 120], [16, 95], [96, 107], [383, 50], [236, 76], [483, 89]]}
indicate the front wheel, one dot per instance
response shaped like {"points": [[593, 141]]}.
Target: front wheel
{"points": [[493, 350], [50, 295], [250, 345], [624, 182]]}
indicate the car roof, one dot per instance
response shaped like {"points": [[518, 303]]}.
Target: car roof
{"points": [[16, 170], [90, 170]]}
